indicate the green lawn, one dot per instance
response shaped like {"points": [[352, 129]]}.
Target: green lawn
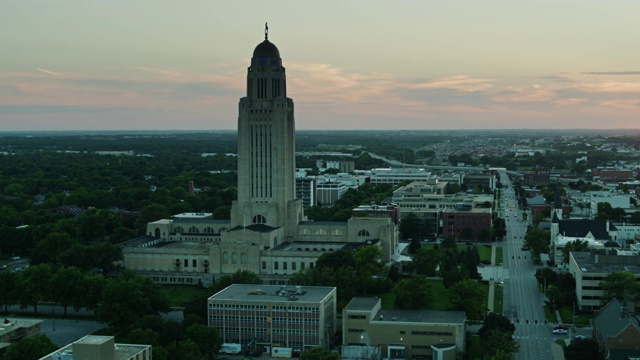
{"points": [[474, 352], [551, 318], [179, 295], [498, 255], [581, 319], [497, 298], [484, 251]]}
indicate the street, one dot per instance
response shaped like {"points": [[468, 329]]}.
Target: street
{"points": [[523, 302]]}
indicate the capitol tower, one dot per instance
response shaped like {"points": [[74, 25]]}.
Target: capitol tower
{"points": [[266, 147]]}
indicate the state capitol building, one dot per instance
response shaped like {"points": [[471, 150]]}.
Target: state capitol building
{"points": [[268, 232]]}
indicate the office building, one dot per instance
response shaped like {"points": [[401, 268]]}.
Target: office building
{"points": [[404, 334], [264, 316]]}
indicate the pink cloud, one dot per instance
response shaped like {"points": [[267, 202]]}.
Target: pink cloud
{"points": [[459, 83]]}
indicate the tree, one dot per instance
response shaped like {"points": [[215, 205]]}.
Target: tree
{"points": [[369, 268], [184, 350], [618, 285], [467, 295], [449, 243], [496, 337], [33, 284], [92, 227], [426, 261], [537, 240], [128, 298], [151, 213], [412, 227], [317, 353], [413, 293], [30, 348], [583, 349], [66, 287], [8, 288], [206, 338], [336, 259], [238, 277]]}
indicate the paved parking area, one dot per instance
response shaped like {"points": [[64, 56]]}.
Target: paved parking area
{"points": [[62, 332]]}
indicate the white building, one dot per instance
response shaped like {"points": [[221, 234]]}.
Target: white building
{"points": [[100, 348]]}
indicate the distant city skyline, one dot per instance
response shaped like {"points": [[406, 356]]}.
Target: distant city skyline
{"points": [[167, 65]]}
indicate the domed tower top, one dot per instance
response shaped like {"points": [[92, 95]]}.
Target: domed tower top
{"points": [[266, 48]]}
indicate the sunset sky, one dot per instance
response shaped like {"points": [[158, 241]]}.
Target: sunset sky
{"points": [[181, 65]]}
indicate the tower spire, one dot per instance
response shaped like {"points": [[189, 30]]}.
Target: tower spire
{"points": [[266, 31]]}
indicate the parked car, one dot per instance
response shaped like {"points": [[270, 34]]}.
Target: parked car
{"points": [[559, 331]]}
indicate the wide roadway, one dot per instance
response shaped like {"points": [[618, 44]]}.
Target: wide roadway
{"points": [[523, 302]]}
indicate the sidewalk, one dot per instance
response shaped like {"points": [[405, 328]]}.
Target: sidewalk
{"points": [[492, 283]]}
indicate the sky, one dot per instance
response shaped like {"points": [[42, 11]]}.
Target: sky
{"points": [[182, 65]]}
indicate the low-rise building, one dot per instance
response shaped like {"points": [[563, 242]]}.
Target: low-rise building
{"points": [[404, 334], [15, 329], [596, 233], [327, 193], [589, 269], [616, 329], [467, 223], [100, 348], [267, 316]]}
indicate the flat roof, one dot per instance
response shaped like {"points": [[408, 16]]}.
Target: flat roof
{"points": [[8, 325], [421, 316], [362, 304], [272, 293], [121, 351], [586, 263]]}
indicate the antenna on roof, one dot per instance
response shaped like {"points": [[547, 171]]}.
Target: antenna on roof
{"points": [[266, 31]]}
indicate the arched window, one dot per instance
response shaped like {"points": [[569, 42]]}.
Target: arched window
{"points": [[234, 258], [194, 230], [157, 233], [178, 229], [321, 232], [225, 257], [208, 230], [223, 229], [243, 258], [259, 219], [363, 233]]}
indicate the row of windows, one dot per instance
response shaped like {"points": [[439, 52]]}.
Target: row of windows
{"points": [[288, 309], [357, 316], [592, 288], [432, 333], [285, 265], [238, 307], [252, 330], [322, 232], [195, 230], [296, 309], [172, 279], [355, 330], [295, 332], [600, 278], [310, 321], [234, 258]]}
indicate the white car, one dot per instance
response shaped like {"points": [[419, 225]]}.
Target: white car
{"points": [[559, 331]]}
